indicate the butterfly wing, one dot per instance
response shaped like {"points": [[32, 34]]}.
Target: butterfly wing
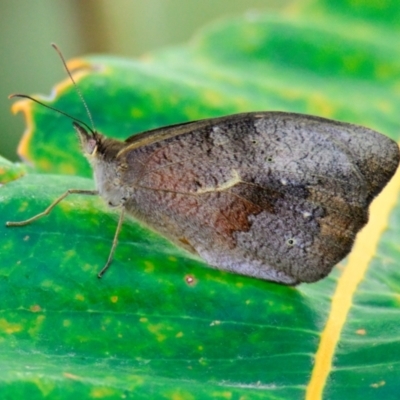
{"points": [[276, 196]]}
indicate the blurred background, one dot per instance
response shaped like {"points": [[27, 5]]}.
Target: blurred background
{"points": [[122, 27]]}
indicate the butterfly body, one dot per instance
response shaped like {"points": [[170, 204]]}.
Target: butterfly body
{"points": [[277, 196]]}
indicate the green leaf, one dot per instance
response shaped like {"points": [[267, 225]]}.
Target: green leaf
{"points": [[158, 320], [160, 324], [10, 171]]}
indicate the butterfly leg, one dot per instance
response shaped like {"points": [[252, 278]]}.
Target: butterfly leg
{"points": [[114, 244], [52, 205]]}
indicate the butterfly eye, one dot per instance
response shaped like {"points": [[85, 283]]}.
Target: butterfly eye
{"points": [[269, 159], [91, 146]]}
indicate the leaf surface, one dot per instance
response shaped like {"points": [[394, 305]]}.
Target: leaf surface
{"points": [[160, 324]]}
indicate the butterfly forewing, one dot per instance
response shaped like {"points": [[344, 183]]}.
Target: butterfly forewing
{"points": [[272, 195]]}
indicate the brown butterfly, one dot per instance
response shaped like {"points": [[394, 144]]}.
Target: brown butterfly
{"points": [[272, 195]]}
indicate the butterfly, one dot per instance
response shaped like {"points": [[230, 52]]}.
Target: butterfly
{"points": [[272, 195]]}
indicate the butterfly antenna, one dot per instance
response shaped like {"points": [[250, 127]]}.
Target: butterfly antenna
{"points": [[24, 96], [76, 87]]}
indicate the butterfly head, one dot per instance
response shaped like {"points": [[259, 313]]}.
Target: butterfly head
{"points": [[89, 139]]}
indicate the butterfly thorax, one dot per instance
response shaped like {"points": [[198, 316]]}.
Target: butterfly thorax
{"points": [[106, 172]]}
